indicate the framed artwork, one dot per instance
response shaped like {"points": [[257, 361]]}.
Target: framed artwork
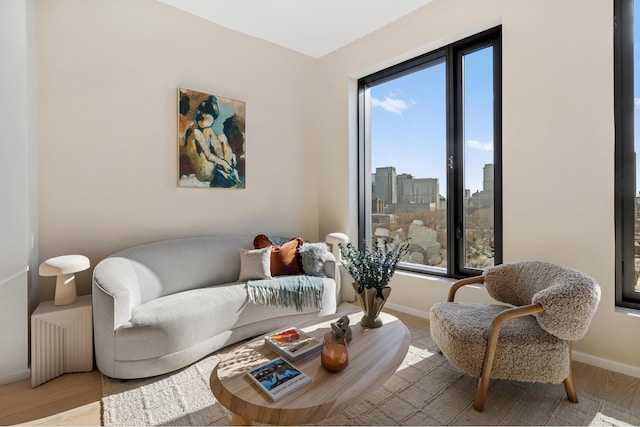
{"points": [[211, 140]]}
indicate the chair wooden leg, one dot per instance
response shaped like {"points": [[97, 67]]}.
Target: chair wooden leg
{"points": [[568, 382], [485, 377], [571, 390], [481, 395]]}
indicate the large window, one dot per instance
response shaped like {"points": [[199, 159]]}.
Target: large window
{"points": [[627, 114], [430, 169]]}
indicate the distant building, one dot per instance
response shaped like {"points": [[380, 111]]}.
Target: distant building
{"points": [[385, 185], [377, 206], [443, 202], [487, 177], [383, 220], [484, 198], [423, 191], [402, 186], [373, 186]]}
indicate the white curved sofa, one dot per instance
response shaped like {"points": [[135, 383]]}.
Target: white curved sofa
{"points": [[161, 306]]}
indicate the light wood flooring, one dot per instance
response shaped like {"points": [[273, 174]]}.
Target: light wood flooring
{"points": [[74, 399]]}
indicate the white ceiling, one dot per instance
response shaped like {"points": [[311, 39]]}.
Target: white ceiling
{"points": [[312, 27]]}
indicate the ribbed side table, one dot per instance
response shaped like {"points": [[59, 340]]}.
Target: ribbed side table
{"points": [[61, 339]]}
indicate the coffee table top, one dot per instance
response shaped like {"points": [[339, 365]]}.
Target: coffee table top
{"points": [[374, 356]]}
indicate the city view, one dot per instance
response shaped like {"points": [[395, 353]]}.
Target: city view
{"points": [[405, 208], [411, 154]]}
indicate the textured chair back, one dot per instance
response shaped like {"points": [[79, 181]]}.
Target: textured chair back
{"points": [[569, 297]]}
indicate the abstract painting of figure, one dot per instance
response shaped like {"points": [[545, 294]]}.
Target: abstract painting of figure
{"points": [[211, 140]]}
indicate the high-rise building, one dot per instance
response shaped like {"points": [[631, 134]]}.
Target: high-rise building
{"points": [[424, 191], [487, 177], [404, 186], [484, 198], [386, 184]]}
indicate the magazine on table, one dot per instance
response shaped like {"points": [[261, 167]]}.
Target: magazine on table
{"points": [[278, 377], [293, 343]]}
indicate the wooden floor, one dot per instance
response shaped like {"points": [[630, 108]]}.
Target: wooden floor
{"points": [[74, 399]]}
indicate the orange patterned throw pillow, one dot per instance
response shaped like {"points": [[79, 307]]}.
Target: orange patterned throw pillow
{"points": [[285, 259]]}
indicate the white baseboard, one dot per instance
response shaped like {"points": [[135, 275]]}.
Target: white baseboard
{"points": [[599, 362], [412, 311], [611, 365]]}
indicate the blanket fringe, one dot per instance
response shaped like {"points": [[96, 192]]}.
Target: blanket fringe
{"points": [[287, 291]]}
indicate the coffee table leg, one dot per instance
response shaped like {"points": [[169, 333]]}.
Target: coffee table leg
{"points": [[237, 420]]}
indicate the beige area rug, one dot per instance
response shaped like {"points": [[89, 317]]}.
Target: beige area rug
{"points": [[426, 390]]}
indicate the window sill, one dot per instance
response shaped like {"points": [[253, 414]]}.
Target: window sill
{"points": [[628, 311], [426, 276]]}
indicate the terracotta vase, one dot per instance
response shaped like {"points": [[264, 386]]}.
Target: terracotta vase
{"points": [[371, 305], [334, 355]]}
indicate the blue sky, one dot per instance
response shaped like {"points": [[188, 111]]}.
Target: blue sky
{"points": [[408, 122]]}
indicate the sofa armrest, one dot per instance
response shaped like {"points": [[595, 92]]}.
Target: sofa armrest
{"points": [[331, 269], [116, 279], [336, 271], [115, 291]]}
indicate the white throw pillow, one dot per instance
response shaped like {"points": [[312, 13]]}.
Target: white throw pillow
{"points": [[255, 264]]}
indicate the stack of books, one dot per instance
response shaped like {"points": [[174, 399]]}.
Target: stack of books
{"points": [[279, 377], [293, 344]]}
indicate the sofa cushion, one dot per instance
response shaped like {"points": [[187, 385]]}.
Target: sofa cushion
{"points": [[285, 259], [169, 266], [255, 264], [180, 321]]}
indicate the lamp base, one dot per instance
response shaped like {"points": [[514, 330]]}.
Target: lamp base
{"points": [[65, 289]]}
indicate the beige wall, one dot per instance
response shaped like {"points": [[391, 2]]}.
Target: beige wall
{"points": [[108, 73], [558, 142], [107, 79]]}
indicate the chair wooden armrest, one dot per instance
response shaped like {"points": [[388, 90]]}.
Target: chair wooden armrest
{"points": [[462, 282], [510, 313]]}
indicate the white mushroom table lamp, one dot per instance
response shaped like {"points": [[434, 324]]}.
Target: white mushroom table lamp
{"points": [[64, 267], [334, 239]]}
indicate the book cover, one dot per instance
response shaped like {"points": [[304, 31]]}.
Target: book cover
{"points": [[293, 343], [278, 377]]}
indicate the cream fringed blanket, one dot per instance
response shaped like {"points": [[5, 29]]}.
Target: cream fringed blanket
{"points": [[287, 291]]}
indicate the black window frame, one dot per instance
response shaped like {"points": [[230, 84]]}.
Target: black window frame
{"points": [[625, 179], [452, 55]]}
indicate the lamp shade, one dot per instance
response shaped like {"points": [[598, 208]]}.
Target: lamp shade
{"points": [[64, 268], [65, 264]]}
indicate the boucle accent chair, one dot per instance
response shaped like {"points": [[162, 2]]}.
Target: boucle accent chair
{"points": [[530, 339]]}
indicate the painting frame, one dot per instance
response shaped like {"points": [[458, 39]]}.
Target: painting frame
{"points": [[211, 141]]}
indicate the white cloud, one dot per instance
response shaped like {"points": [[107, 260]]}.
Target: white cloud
{"points": [[486, 146], [392, 105], [636, 102]]}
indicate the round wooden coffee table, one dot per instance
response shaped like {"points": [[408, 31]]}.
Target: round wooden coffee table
{"points": [[374, 356]]}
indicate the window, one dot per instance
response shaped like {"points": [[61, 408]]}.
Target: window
{"points": [[627, 113], [429, 157]]}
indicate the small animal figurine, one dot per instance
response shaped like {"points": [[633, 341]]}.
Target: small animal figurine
{"points": [[341, 328]]}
